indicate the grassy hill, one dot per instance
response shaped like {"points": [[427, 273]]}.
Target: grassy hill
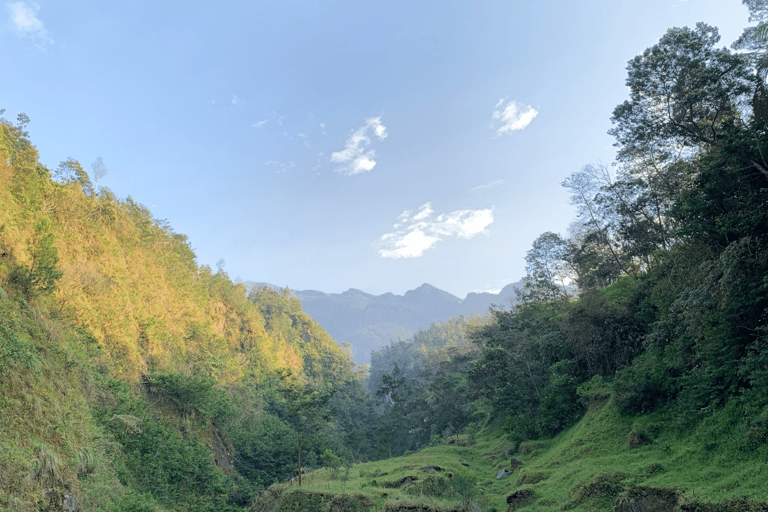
{"points": [[604, 462]]}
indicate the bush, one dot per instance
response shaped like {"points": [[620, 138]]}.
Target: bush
{"points": [[331, 461], [465, 488], [594, 391], [194, 396], [39, 278], [560, 405], [649, 383]]}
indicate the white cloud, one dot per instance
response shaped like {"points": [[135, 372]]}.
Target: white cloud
{"points": [[282, 167], [511, 117], [419, 232], [490, 184], [27, 24], [357, 157], [495, 289], [273, 116], [425, 211], [410, 245]]}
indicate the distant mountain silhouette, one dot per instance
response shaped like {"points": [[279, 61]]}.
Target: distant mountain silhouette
{"points": [[369, 322]]}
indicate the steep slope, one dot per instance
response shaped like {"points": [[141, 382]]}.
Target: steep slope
{"points": [[134, 379]]}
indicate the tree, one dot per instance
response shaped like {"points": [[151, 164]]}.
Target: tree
{"points": [[596, 252], [685, 94], [99, 170], [307, 409], [70, 171], [41, 275], [755, 41], [641, 200], [548, 271], [754, 38]]}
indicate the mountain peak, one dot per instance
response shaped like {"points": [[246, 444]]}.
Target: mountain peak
{"points": [[426, 290]]}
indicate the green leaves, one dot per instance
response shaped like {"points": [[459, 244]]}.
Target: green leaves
{"points": [[14, 350], [39, 278], [684, 91], [194, 396]]}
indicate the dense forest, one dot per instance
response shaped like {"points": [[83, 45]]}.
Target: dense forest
{"points": [[133, 379], [660, 289]]}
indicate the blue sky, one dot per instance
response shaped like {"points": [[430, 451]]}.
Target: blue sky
{"points": [[334, 145]]}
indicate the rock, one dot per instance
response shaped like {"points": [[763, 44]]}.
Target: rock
{"points": [[61, 500], [502, 473]]}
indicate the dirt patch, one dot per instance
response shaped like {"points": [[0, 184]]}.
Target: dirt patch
{"points": [[223, 451], [636, 439], [521, 498], [734, 505], [418, 508], [602, 487], [530, 448], [647, 499], [406, 480], [275, 500], [532, 478]]}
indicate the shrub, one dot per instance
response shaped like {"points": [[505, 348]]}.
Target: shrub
{"points": [[465, 489], [594, 391], [331, 461]]}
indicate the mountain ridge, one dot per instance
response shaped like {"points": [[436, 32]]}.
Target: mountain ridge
{"points": [[368, 322]]}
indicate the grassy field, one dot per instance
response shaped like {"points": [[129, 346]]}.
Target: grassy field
{"points": [[602, 462]]}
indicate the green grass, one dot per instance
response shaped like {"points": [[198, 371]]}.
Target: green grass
{"points": [[585, 468]]}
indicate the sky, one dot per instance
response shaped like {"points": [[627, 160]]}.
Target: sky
{"points": [[334, 145]]}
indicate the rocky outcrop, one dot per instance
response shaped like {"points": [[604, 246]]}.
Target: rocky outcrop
{"points": [[60, 500]]}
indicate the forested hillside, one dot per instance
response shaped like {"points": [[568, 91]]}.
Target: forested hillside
{"points": [[134, 379], [632, 372], [660, 289], [651, 313]]}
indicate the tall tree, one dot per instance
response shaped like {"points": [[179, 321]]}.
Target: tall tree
{"points": [[597, 257], [685, 95], [549, 272]]}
